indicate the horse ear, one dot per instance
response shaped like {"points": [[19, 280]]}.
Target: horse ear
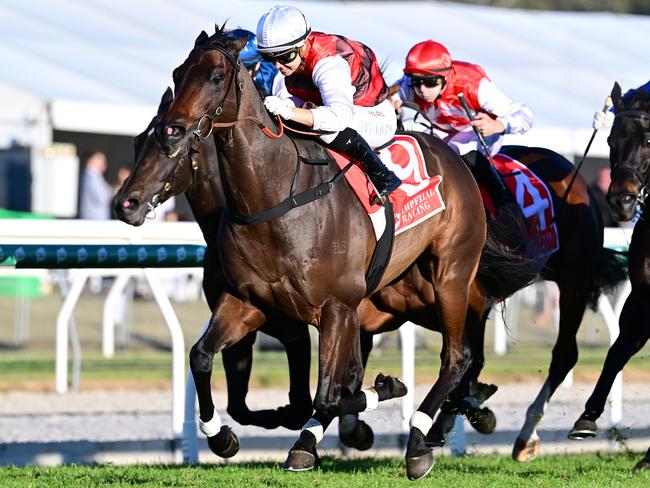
{"points": [[203, 36], [166, 99], [617, 98], [239, 44]]}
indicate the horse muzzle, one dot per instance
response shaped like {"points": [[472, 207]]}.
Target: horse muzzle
{"points": [[129, 209]]}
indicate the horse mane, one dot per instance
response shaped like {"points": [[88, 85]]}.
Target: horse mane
{"points": [[222, 38]]}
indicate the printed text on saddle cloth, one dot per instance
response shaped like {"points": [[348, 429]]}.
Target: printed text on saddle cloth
{"points": [[534, 199], [416, 200]]}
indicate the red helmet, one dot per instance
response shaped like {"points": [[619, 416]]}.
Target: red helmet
{"points": [[428, 58]]}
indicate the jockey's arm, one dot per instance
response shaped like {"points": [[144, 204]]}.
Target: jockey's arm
{"points": [[332, 77], [512, 117]]}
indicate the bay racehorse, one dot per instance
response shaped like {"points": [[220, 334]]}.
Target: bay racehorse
{"points": [[629, 157], [286, 266], [391, 317], [155, 177], [580, 267]]}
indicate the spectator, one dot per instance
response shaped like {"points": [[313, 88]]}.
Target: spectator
{"points": [[599, 189], [122, 174], [95, 193]]}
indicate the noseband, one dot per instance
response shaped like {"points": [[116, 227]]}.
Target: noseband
{"points": [[642, 176]]}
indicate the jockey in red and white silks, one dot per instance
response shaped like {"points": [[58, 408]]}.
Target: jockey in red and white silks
{"points": [[429, 63], [339, 75]]}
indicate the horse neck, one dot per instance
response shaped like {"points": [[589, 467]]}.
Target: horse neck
{"points": [[206, 198], [254, 168]]}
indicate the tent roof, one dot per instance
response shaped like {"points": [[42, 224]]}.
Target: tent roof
{"points": [[103, 64]]}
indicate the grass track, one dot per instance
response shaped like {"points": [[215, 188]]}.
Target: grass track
{"points": [[584, 470]]}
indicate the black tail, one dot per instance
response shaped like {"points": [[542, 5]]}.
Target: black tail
{"points": [[508, 263], [611, 271]]}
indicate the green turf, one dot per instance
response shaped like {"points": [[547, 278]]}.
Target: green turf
{"points": [[585, 470]]}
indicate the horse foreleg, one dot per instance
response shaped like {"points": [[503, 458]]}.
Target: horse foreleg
{"points": [[573, 302], [456, 358], [353, 432], [231, 320], [339, 374], [238, 360], [634, 326], [237, 364], [467, 397]]}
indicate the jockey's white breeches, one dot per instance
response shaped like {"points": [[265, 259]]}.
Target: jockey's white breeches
{"points": [[377, 125]]}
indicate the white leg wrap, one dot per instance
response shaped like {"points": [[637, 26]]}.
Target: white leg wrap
{"points": [[421, 421], [372, 398], [347, 422], [315, 427], [212, 426]]}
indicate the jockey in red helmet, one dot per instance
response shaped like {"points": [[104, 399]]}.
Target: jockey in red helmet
{"points": [[339, 75], [433, 81]]}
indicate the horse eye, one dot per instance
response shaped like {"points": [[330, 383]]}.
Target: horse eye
{"points": [[216, 77]]}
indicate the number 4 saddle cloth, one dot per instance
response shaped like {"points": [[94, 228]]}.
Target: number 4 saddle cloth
{"points": [[417, 199], [534, 199]]}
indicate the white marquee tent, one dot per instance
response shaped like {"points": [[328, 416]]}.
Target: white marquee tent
{"points": [[101, 65]]}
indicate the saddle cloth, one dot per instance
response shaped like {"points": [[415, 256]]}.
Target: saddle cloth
{"points": [[534, 199], [417, 199]]}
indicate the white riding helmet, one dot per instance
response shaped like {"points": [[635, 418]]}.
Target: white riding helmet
{"points": [[282, 28]]}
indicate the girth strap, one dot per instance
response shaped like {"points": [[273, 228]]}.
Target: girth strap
{"points": [[289, 203]]}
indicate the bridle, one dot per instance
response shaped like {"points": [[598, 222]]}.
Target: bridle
{"points": [[204, 128], [641, 175]]}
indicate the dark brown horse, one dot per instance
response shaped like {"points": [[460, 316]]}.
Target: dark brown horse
{"points": [[286, 266], [629, 157], [393, 305], [155, 177], [580, 267]]}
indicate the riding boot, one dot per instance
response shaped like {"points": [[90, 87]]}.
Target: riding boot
{"points": [[488, 177], [350, 143]]}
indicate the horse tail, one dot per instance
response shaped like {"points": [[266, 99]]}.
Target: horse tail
{"points": [[507, 263], [610, 272]]}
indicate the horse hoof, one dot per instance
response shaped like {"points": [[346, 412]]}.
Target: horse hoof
{"points": [[643, 464], [299, 460], [392, 386], [484, 421], [484, 391], [583, 429], [225, 444], [361, 437], [525, 451], [419, 466]]}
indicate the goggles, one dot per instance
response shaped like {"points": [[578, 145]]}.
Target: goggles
{"points": [[284, 57], [428, 81]]}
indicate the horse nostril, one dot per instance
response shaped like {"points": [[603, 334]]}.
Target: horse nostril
{"points": [[129, 204]]}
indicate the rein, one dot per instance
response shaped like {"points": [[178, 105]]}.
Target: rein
{"points": [[207, 123]]}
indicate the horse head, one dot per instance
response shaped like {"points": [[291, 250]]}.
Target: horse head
{"points": [[155, 176], [629, 143], [208, 88]]}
